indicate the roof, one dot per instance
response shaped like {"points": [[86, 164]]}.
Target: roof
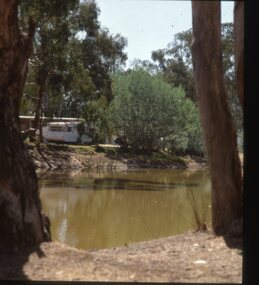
{"points": [[52, 118], [63, 123]]}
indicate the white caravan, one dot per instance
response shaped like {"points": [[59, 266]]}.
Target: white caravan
{"points": [[66, 132]]}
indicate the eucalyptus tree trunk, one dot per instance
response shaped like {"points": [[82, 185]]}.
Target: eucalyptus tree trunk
{"points": [[218, 129], [39, 97], [37, 122], [22, 223], [239, 48]]}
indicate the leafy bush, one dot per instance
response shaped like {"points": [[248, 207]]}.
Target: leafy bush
{"points": [[146, 109]]}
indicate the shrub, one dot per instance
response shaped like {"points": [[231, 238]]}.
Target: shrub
{"points": [[146, 109]]}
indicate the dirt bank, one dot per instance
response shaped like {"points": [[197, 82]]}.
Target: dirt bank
{"points": [[69, 157], [65, 157], [192, 257]]}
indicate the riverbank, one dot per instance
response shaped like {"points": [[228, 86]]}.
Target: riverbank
{"points": [[191, 257], [105, 158]]}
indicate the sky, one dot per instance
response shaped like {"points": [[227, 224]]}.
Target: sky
{"points": [[149, 25]]}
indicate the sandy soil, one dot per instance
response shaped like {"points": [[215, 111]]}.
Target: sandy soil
{"points": [[192, 257]]}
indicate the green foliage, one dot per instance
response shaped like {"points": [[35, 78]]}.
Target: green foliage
{"points": [[146, 109], [174, 63], [229, 72], [81, 128], [188, 137], [95, 111], [48, 62], [146, 65], [73, 57]]}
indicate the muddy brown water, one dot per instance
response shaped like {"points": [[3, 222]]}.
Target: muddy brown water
{"points": [[104, 210]]}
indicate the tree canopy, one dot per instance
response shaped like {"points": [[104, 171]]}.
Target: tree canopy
{"points": [[73, 58], [175, 65]]}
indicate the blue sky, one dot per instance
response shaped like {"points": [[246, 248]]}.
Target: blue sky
{"points": [[150, 24]]}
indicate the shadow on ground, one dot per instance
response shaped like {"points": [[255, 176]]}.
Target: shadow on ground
{"points": [[12, 263], [235, 243]]}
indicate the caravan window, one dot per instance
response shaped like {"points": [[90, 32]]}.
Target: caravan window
{"points": [[69, 129], [55, 128]]}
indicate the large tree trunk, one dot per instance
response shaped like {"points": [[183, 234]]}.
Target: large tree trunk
{"points": [[22, 223], [219, 132], [239, 48]]}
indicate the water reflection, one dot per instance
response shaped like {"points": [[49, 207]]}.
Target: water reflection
{"points": [[101, 210]]}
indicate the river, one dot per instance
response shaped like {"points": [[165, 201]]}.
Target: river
{"points": [[104, 210]]}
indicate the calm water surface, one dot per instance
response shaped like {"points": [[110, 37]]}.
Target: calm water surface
{"points": [[113, 209]]}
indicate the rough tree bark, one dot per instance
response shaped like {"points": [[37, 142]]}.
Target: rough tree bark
{"points": [[22, 223], [218, 129], [239, 48]]}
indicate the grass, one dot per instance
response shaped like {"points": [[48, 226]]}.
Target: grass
{"points": [[200, 216], [158, 157]]}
